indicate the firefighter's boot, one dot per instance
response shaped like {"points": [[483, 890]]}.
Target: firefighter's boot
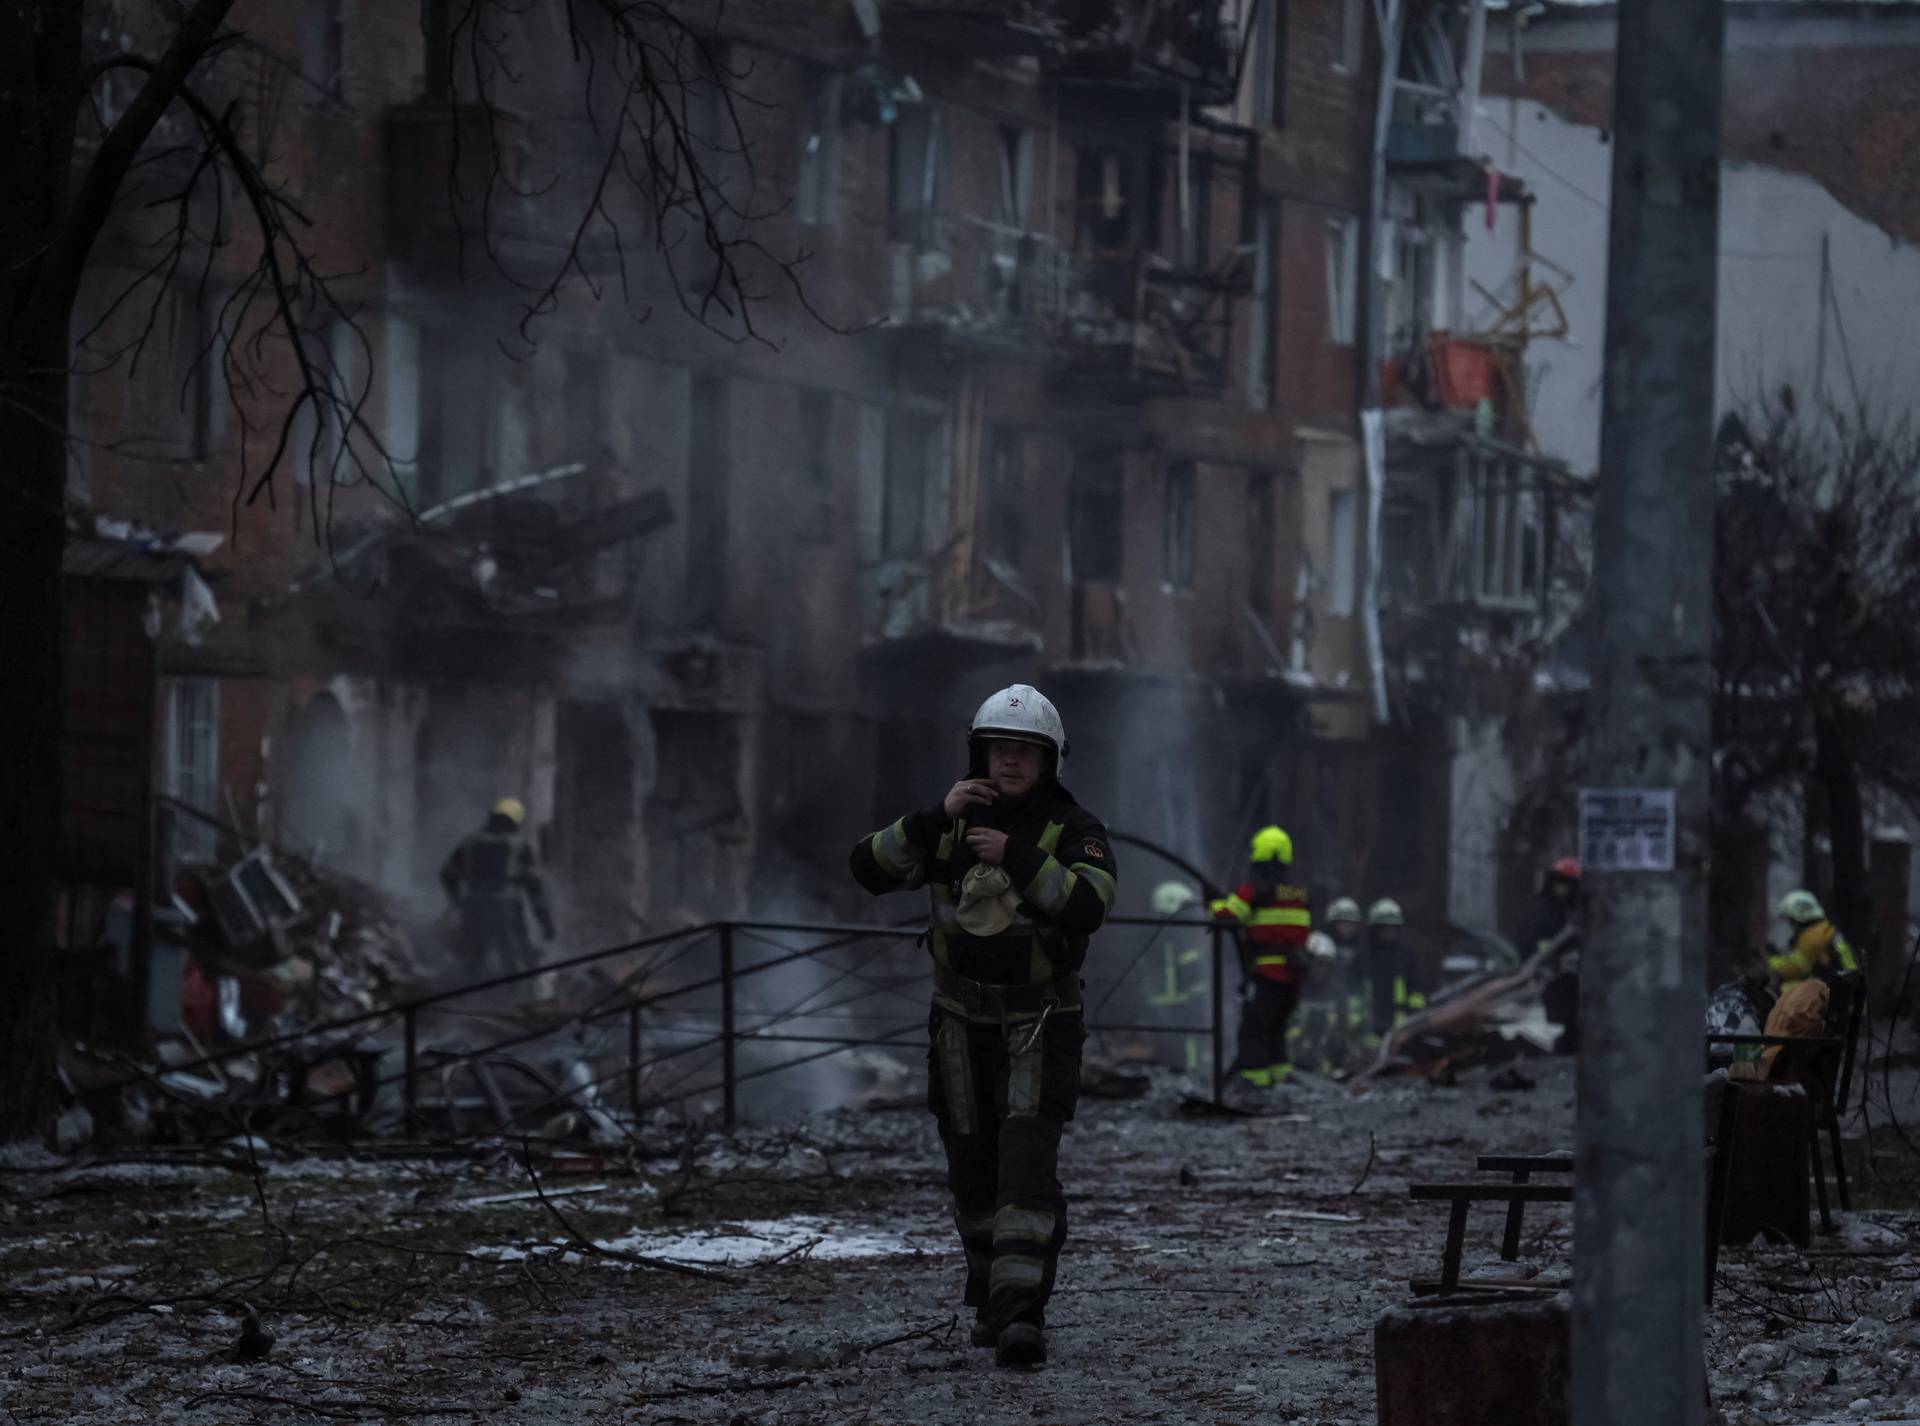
{"points": [[1021, 1344]]}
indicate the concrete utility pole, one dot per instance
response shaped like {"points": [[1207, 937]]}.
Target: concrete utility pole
{"points": [[1639, 1196]]}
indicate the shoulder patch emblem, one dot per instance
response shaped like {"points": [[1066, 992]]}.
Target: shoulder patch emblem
{"points": [[1095, 850]]}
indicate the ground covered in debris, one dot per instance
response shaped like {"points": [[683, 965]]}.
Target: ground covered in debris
{"points": [[1219, 1270]]}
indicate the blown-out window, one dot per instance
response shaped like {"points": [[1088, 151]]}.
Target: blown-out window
{"points": [[1176, 530], [1095, 516]]}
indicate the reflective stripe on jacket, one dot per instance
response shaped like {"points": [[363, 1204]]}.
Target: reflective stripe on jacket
{"points": [[1276, 929], [1061, 866], [1818, 949]]}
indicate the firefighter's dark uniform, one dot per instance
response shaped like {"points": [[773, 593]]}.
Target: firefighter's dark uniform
{"points": [[1006, 1029], [494, 878], [1395, 984], [1274, 959]]}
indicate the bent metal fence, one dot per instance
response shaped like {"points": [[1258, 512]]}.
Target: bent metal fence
{"points": [[688, 1015]]}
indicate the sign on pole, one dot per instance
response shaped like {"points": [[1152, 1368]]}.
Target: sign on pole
{"points": [[1626, 828]]}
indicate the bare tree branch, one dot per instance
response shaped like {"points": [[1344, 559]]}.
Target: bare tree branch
{"points": [[99, 191]]}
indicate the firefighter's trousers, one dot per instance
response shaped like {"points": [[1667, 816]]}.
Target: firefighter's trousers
{"points": [[493, 936], [1265, 1009], [1001, 1095]]}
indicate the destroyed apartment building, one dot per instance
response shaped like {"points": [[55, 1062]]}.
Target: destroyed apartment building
{"points": [[1069, 391]]}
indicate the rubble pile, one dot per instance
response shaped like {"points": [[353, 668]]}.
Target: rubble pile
{"points": [[356, 940], [303, 944]]}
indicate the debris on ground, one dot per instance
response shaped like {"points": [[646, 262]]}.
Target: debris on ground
{"points": [[779, 1273]]}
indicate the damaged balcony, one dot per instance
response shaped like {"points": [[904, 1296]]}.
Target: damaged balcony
{"points": [[956, 606], [1467, 521], [1136, 321], [520, 567], [1145, 46], [980, 27], [975, 283]]}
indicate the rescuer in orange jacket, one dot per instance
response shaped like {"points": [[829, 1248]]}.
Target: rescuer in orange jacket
{"points": [[1273, 912]]}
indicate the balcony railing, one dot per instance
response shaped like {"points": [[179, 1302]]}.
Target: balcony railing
{"points": [[955, 598], [1133, 317], [1128, 42], [969, 277]]}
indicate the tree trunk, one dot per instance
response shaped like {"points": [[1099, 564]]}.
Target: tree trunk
{"points": [[1736, 894], [1834, 765], [39, 93], [34, 456]]}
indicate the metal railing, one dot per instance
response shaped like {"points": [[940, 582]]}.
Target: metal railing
{"points": [[668, 1030]]}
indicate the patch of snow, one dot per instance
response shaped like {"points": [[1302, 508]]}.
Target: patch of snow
{"points": [[743, 1244]]}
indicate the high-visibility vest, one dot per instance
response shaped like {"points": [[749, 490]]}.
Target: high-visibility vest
{"points": [[1277, 927]]}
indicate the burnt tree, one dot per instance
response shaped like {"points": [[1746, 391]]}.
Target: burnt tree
{"points": [[1817, 620], [181, 176]]}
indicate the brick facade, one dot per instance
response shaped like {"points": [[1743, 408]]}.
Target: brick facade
{"points": [[1842, 108], [763, 604]]}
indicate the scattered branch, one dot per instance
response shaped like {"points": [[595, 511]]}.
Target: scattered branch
{"points": [[1366, 1170], [586, 1245]]}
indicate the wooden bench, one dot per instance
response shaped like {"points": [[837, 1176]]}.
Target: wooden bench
{"points": [[1522, 1167], [1462, 1196], [1520, 1191]]}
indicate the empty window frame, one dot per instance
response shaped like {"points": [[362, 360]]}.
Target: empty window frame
{"points": [[1260, 543], [323, 44], [1343, 552], [1006, 499], [1196, 214], [1261, 322], [913, 166], [816, 467], [1500, 541], [816, 197], [584, 418], [1103, 184], [915, 485], [1346, 30], [708, 491], [1176, 527], [1016, 177], [1269, 64], [1343, 247], [400, 377], [190, 761], [200, 393], [1096, 516]]}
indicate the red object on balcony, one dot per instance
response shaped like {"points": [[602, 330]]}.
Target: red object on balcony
{"points": [[1462, 370]]}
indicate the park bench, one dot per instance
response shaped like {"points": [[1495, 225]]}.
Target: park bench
{"points": [[1520, 1190]]}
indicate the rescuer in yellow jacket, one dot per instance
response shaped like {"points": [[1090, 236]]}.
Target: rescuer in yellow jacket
{"points": [[1816, 949], [1273, 911]]}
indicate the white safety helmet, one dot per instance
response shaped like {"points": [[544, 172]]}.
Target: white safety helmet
{"points": [[1170, 898], [1344, 908], [1021, 714], [1321, 946]]}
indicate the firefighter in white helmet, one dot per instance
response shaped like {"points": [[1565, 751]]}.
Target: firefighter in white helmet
{"points": [[1817, 949], [1392, 967], [1184, 973], [1019, 876]]}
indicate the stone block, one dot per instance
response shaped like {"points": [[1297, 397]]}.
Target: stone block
{"points": [[1464, 1363], [1767, 1188]]}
